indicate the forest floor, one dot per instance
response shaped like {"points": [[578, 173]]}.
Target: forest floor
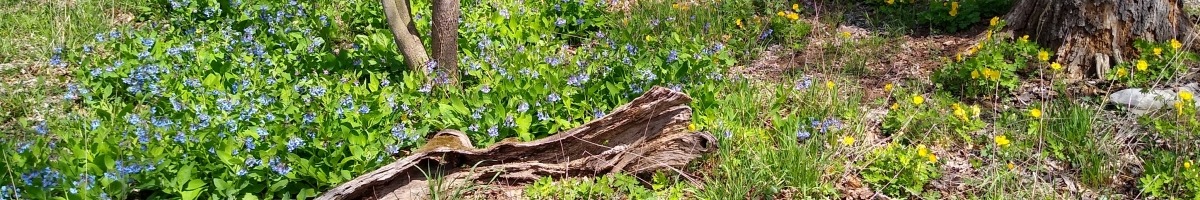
{"points": [[898, 132]]}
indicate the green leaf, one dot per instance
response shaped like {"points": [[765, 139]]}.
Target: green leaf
{"points": [[249, 196], [523, 127], [194, 188]]}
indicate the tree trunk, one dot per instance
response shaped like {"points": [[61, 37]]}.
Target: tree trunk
{"points": [[647, 135], [445, 40], [404, 31], [1089, 36]]}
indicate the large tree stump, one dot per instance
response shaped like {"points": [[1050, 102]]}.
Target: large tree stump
{"points": [[1092, 35], [648, 134]]}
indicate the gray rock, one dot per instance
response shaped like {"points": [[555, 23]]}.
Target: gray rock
{"points": [[1141, 102]]}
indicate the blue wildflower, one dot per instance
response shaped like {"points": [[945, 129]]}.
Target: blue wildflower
{"points": [[493, 132], [252, 162], [261, 132], [473, 128], [180, 138], [279, 167], [542, 116], [630, 48], [802, 134], [522, 107], [148, 42], [485, 89], [249, 143], [553, 97], [672, 56], [95, 124], [765, 34], [99, 37], [142, 136], [803, 83], [41, 128], [309, 118], [294, 143], [392, 149], [23, 146], [398, 131], [597, 113], [133, 119], [560, 22]]}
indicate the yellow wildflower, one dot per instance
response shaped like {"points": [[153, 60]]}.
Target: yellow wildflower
{"points": [[829, 84], [1157, 51], [1185, 95], [1055, 66], [739, 23], [1035, 113], [1187, 164], [895, 106], [796, 7], [1122, 72], [887, 87], [1010, 166], [1043, 56], [953, 9], [975, 74], [922, 151], [649, 38], [890, 2], [781, 14], [995, 21], [975, 110], [1002, 141], [847, 140], [933, 158], [1175, 44], [692, 127], [1024, 39], [958, 57], [1142, 65], [960, 113], [846, 34], [793, 16], [991, 74], [918, 99], [1178, 108]]}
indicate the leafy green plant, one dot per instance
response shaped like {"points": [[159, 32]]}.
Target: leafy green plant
{"points": [[900, 171], [943, 15], [613, 186], [1068, 134], [1155, 63], [991, 66]]}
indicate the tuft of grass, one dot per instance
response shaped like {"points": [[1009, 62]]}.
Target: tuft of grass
{"points": [[1069, 136]]}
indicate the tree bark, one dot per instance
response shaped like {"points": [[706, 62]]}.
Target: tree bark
{"points": [[445, 40], [648, 134], [1090, 35], [404, 31]]}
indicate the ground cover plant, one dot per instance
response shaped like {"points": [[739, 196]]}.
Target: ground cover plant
{"points": [[255, 99]]}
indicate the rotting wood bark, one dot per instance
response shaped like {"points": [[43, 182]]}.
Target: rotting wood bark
{"points": [[648, 134], [1091, 35]]}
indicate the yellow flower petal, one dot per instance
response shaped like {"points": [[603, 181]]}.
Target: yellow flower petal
{"points": [[847, 140], [1055, 66], [1002, 141], [1185, 95], [1157, 51], [1175, 44], [1035, 113], [1142, 65], [887, 88], [922, 151], [995, 21], [918, 99], [953, 9], [1043, 56]]}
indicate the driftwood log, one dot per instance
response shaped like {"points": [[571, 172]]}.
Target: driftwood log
{"points": [[648, 134]]}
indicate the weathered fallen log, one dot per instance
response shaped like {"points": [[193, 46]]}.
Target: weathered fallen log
{"points": [[648, 134]]}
